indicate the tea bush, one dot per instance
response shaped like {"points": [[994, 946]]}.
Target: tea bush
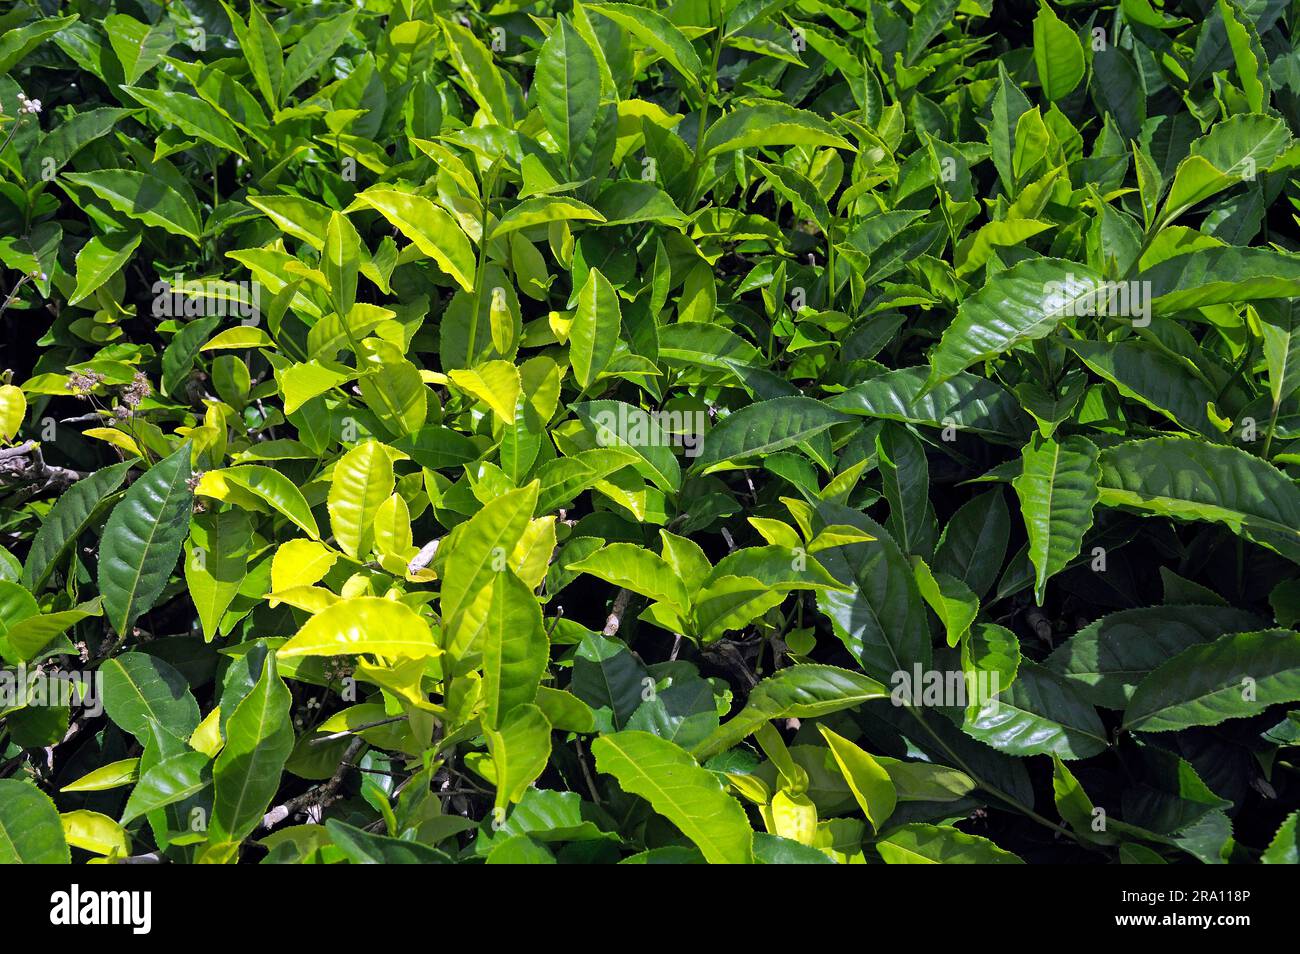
{"points": [[723, 430]]}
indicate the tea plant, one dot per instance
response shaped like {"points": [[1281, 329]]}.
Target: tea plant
{"points": [[773, 431]]}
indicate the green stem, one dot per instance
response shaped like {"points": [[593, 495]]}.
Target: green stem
{"points": [[986, 786], [13, 130], [830, 267], [489, 185], [708, 90], [13, 294], [1156, 226], [1272, 425]]}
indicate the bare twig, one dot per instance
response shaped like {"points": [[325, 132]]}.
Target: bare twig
{"points": [[24, 464], [18, 285], [19, 451], [319, 797], [559, 615], [728, 653], [112, 643], [586, 773], [355, 729], [615, 618]]}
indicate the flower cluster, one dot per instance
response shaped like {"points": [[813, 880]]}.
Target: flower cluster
{"points": [[81, 383], [136, 391]]}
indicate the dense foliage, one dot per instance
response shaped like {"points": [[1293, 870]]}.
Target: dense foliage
{"points": [[725, 430]]}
